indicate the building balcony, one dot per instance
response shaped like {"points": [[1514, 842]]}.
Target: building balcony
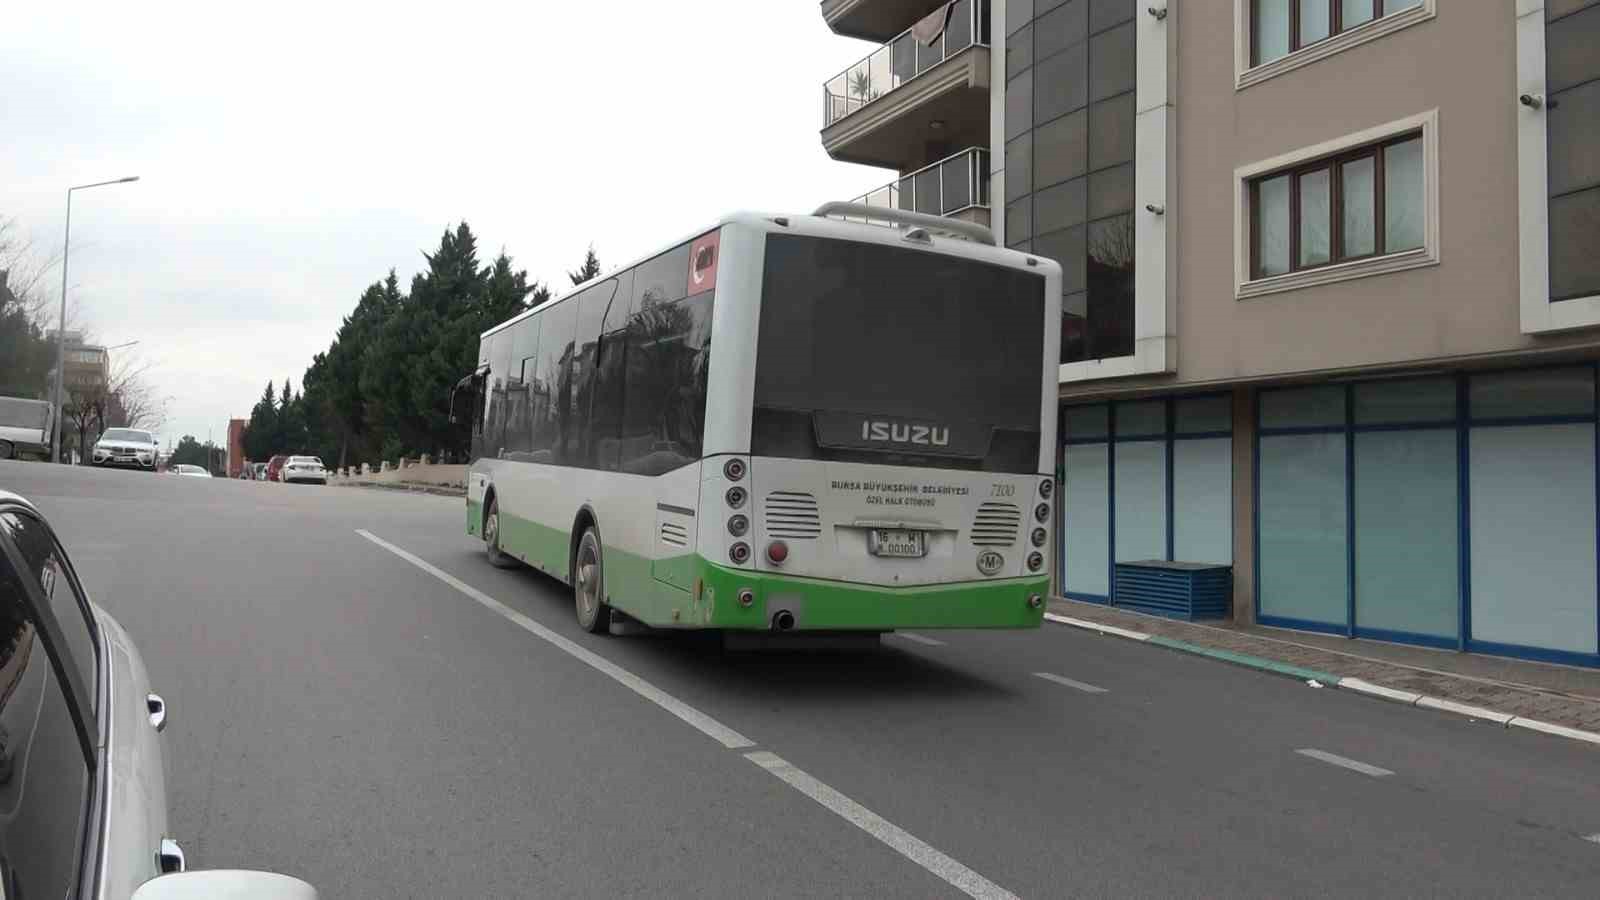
{"points": [[874, 20], [909, 101], [956, 187]]}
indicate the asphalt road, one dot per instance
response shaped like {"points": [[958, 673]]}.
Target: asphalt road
{"points": [[344, 714]]}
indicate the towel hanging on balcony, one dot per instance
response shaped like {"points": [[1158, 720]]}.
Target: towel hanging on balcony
{"points": [[928, 29]]}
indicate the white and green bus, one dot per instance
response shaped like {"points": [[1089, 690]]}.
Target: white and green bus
{"points": [[781, 423]]}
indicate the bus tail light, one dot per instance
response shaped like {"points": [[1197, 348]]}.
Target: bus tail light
{"points": [[735, 497], [1041, 513], [1035, 561], [1038, 537], [1047, 487], [738, 525], [777, 552], [1035, 601], [739, 553], [747, 598], [733, 469]]}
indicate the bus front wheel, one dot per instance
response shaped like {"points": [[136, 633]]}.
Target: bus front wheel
{"points": [[491, 538], [588, 585]]}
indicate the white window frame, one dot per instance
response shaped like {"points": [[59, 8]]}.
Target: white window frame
{"points": [[1247, 75], [1427, 255], [1539, 314]]}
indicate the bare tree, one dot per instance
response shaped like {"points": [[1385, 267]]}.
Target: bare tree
{"points": [[130, 399], [27, 267]]}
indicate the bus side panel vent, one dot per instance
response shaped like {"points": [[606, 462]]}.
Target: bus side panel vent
{"points": [[996, 525], [793, 515], [674, 534]]}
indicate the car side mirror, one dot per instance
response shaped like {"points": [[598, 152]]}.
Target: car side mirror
{"points": [[235, 883]]}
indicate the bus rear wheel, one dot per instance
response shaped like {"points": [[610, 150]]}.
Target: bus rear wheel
{"points": [[491, 538], [588, 585]]}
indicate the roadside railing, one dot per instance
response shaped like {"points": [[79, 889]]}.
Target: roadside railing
{"points": [[956, 183], [903, 59]]}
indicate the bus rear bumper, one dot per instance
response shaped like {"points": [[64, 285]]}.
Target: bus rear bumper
{"points": [[819, 605]]}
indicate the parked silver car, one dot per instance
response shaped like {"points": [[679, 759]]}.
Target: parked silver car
{"points": [[83, 801]]}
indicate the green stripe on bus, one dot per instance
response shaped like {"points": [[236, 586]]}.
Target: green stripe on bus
{"points": [[642, 588]]}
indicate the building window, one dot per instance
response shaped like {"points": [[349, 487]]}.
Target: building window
{"points": [[1282, 27], [1358, 205], [1558, 178], [1361, 203]]}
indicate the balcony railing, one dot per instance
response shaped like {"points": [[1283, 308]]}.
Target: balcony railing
{"points": [[903, 59], [951, 185]]}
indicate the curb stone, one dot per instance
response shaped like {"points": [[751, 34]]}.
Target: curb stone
{"points": [[1328, 679], [405, 487]]}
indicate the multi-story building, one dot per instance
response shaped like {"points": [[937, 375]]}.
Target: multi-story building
{"points": [[88, 366], [1332, 309], [236, 458]]}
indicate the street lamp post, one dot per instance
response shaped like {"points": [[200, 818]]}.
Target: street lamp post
{"points": [[61, 325]]}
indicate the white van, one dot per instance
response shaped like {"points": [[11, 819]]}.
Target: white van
{"points": [[24, 427]]}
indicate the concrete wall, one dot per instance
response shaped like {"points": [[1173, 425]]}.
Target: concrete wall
{"points": [[434, 474], [1462, 63]]}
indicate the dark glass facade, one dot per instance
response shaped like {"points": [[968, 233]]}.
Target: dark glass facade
{"points": [[1572, 81], [1070, 67]]}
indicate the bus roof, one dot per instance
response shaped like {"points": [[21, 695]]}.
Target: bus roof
{"points": [[817, 225]]}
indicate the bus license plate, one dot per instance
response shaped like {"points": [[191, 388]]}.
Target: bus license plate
{"points": [[897, 542]]}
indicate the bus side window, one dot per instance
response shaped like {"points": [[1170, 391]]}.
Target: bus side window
{"points": [[519, 374], [555, 381], [593, 304], [669, 351], [605, 411]]}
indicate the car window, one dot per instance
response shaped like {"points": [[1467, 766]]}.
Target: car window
{"points": [[64, 602], [44, 763]]}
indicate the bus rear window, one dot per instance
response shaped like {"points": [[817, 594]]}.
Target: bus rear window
{"points": [[886, 354]]}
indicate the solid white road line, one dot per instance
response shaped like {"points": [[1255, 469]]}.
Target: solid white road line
{"points": [[708, 726], [1096, 626], [963, 878], [1346, 762], [1058, 679], [917, 638]]}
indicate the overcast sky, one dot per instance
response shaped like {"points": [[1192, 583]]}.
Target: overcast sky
{"points": [[290, 154]]}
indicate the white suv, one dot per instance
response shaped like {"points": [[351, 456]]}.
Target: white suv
{"points": [[126, 447]]}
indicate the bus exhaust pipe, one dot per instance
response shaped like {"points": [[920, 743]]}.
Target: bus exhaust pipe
{"points": [[782, 620]]}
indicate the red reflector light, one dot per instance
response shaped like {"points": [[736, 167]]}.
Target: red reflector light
{"points": [[703, 260], [777, 552]]}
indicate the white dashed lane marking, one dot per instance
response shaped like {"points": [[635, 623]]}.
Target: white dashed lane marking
{"points": [[1344, 762], [1076, 685], [967, 881], [917, 638], [1592, 838]]}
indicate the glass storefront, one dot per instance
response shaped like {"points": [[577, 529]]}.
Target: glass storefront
{"points": [[1454, 511]]}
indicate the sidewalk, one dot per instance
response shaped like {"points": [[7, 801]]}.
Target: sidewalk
{"points": [[1559, 695]]}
